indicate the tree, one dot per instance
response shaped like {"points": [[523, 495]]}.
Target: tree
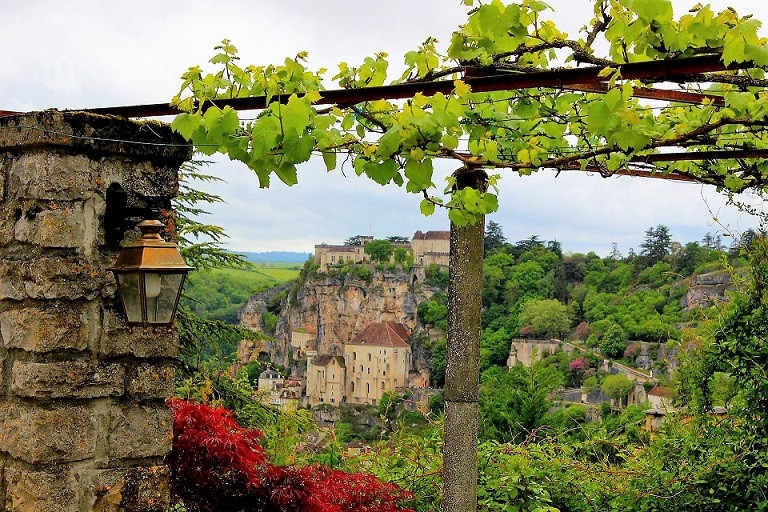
{"points": [[657, 243], [354, 241], [494, 237], [547, 317], [617, 386], [397, 141], [396, 239], [614, 343], [401, 256], [379, 250]]}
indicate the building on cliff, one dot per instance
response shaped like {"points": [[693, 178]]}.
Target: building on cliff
{"points": [[427, 248], [326, 378], [376, 360], [431, 247]]}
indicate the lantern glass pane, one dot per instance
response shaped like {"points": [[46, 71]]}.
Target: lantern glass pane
{"points": [[128, 285], [162, 293]]}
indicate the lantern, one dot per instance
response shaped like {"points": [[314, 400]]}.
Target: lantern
{"points": [[150, 274]]}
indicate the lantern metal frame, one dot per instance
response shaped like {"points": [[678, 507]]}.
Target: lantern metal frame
{"points": [[145, 258]]}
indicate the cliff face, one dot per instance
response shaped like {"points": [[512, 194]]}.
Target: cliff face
{"points": [[708, 289], [337, 308]]}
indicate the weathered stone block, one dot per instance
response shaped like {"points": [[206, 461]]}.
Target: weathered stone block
{"points": [[12, 280], [61, 226], [44, 330], [35, 435], [38, 491], [51, 175], [67, 379], [137, 431], [148, 381], [66, 278], [58, 176], [131, 490], [117, 340]]}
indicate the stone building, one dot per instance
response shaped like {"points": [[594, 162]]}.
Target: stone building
{"points": [[270, 380], [376, 360], [326, 376], [427, 248], [303, 341], [431, 247], [327, 255]]}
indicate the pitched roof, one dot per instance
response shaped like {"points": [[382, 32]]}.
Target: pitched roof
{"points": [[325, 359], [432, 235], [384, 334], [269, 373], [661, 392]]}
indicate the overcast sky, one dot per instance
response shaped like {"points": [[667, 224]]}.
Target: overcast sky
{"points": [[101, 53]]}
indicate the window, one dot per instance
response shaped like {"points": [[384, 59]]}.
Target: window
{"points": [[369, 356], [384, 372], [382, 385], [351, 387], [367, 388], [354, 356], [369, 370], [361, 368]]}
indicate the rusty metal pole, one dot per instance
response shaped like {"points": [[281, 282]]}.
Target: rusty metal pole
{"points": [[462, 377]]}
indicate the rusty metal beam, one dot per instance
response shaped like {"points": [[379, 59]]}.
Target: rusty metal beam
{"points": [[660, 71], [702, 155], [636, 173], [648, 93]]}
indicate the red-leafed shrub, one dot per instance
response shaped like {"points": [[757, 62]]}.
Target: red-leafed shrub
{"points": [[633, 350], [218, 466], [582, 331], [579, 365], [526, 330]]}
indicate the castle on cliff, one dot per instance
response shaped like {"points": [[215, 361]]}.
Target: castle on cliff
{"points": [[426, 248]]}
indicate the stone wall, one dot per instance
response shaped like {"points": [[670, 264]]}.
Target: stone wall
{"points": [[83, 425]]}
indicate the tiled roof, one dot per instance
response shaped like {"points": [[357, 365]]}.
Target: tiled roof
{"points": [[661, 392], [325, 359], [432, 235], [385, 334]]}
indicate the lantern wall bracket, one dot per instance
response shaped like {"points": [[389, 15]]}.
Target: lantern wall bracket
{"points": [[119, 217]]}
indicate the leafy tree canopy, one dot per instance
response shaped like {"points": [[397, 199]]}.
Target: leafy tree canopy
{"points": [[617, 386], [548, 317], [379, 250], [519, 130]]}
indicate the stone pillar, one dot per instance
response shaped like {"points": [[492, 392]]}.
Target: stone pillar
{"points": [[83, 425]]}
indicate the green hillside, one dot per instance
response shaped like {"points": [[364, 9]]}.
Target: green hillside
{"points": [[218, 294]]}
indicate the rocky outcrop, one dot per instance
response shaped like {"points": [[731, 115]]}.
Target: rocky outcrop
{"points": [[707, 290], [336, 308]]}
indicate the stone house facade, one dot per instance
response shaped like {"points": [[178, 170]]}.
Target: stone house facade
{"points": [[326, 378], [376, 360], [431, 247]]}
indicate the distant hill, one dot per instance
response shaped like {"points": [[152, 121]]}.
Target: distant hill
{"points": [[276, 256]]}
